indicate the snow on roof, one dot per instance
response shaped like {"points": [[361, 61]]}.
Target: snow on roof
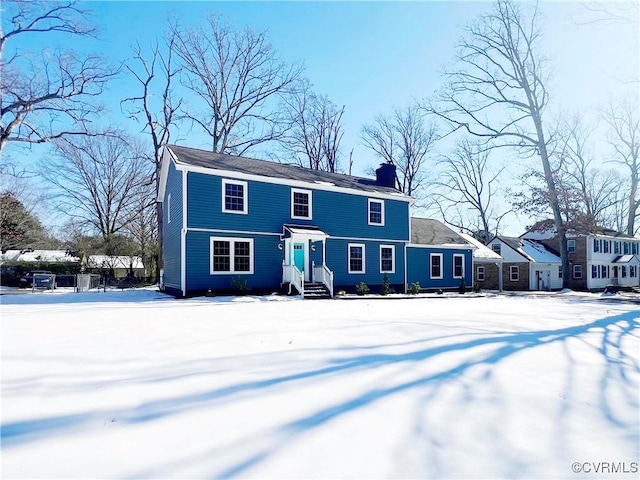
{"points": [[481, 252], [122, 261], [626, 259], [40, 256], [538, 253]]}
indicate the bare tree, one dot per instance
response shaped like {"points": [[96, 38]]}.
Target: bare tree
{"points": [[46, 95], [467, 189], [404, 139], [497, 92], [141, 225], [597, 190], [315, 132], [234, 74], [624, 121], [97, 180], [157, 117]]}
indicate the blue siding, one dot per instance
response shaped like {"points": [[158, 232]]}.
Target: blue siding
{"points": [[172, 231], [269, 208], [267, 266], [338, 259], [418, 267]]}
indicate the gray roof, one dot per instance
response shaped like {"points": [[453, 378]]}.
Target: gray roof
{"points": [[426, 231], [203, 158]]}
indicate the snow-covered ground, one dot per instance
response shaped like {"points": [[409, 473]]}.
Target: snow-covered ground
{"points": [[135, 384]]}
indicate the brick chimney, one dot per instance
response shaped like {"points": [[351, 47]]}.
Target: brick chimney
{"points": [[386, 175]]}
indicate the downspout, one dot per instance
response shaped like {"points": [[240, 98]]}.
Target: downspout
{"points": [[183, 239]]}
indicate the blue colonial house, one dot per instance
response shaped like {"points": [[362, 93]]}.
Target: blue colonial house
{"points": [[233, 222]]}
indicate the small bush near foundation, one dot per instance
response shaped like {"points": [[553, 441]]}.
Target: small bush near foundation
{"points": [[240, 286], [362, 288], [386, 285]]}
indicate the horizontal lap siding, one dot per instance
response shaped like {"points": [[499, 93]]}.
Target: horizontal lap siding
{"points": [[338, 260], [269, 208], [267, 265], [172, 231], [418, 267]]}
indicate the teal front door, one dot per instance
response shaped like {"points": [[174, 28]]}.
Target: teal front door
{"points": [[298, 256]]}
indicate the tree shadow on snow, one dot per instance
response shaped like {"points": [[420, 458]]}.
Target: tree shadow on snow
{"points": [[485, 351]]}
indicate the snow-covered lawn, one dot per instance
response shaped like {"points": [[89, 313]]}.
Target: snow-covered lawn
{"points": [[135, 384]]}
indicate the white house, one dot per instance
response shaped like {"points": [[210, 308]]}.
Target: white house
{"points": [[528, 264]]}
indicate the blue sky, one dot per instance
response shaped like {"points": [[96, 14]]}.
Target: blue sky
{"points": [[371, 56]]}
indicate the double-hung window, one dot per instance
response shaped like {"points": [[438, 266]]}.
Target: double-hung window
{"points": [[234, 196], [387, 259], [356, 258], [514, 273], [571, 246], [435, 266], [231, 255], [577, 271], [458, 266], [301, 204], [480, 273], [376, 212]]}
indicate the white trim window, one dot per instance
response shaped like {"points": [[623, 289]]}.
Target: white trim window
{"points": [[375, 212], [480, 273], [301, 204], [577, 271], [231, 256], [356, 258], [169, 208], [514, 273], [571, 246], [387, 259], [235, 196], [458, 265], [435, 266]]}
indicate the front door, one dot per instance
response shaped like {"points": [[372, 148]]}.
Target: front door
{"points": [[298, 256]]}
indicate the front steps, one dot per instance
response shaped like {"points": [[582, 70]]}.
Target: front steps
{"points": [[315, 291]]}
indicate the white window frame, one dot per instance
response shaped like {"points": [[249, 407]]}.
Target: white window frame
{"points": [[232, 241], [514, 269], [310, 195], [496, 247], [169, 208], [245, 198], [381, 202], [480, 273], [571, 245], [431, 257], [364, 263], [577, 267], [458, 255], [393, 259]]}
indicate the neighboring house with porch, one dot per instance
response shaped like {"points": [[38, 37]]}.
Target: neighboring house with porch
{"points": [[597, 260], [438, 257], [528, 264], [232, 221], [487, 265]]}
